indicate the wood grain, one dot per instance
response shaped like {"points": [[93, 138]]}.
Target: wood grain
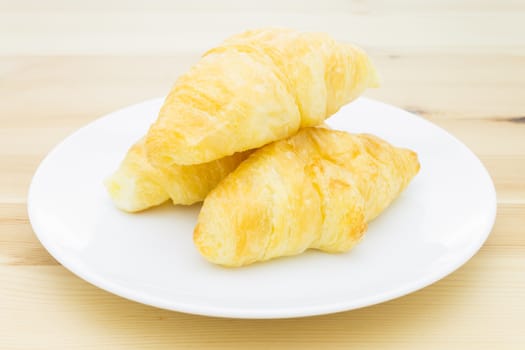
{"points": [[461, 65]]}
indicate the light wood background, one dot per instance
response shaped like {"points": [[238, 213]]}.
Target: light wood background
{"points": [[461, 64]]}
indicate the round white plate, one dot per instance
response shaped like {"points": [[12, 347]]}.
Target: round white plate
{"points": [[435, 226]]}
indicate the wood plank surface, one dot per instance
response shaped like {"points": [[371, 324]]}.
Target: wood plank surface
{"points": [[63, 64]]}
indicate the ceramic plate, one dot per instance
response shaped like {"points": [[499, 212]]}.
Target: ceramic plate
{"points": [[435, 226]]}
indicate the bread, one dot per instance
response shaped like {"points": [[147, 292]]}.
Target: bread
{"points": [[137, 185], [256, 87], [317, 189]]}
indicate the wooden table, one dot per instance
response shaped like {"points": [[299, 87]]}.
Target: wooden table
{"points": [[62, 64]]}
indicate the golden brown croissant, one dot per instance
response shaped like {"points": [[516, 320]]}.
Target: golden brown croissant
{"points": [[317, 189], [256, 87], [137, 185]]}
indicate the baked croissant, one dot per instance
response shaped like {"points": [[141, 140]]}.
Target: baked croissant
{"points": [[256, 87], [137, 185], [317, 189]]}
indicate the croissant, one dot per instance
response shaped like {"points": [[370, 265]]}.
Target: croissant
{"points": [[137, 185], [256, 87], [317, 189]]}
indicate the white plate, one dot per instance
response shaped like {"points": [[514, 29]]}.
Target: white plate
{"points": [[436, 225]]}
